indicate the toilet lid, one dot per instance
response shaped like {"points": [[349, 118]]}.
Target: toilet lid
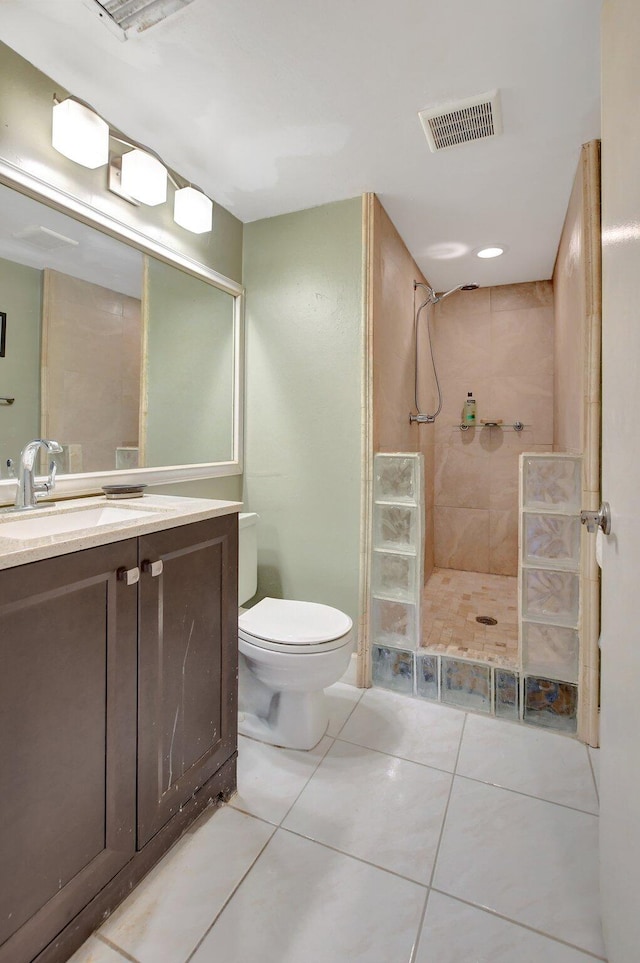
{"points": [[294, 623]]}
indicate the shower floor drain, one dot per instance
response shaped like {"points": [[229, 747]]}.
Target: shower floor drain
{"points": [[486, 620]]}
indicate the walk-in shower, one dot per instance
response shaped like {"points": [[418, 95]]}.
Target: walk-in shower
{"points": [[433, 299]]}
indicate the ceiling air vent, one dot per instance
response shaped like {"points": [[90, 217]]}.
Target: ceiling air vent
{"points": [[460, 123], [124, 16], [43, 238]]}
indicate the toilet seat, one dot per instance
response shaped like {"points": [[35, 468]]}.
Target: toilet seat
{"points": [[295, 627]]}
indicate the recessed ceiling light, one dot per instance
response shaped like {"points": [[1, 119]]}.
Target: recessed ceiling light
{"points": [[490, 251]]}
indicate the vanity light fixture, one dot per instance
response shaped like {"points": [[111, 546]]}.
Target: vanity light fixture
{"points": [[79, 134], [144, 177], [494, 251], [193, 210]]}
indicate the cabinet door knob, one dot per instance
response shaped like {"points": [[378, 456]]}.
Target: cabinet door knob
{"points": [[153, 568], [128, 575]]}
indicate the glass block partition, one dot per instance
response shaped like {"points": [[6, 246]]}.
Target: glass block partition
{"points": [[398, 559], [550, 497]]}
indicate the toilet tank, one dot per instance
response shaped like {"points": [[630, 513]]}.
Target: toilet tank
{"points": [[247, 556]]}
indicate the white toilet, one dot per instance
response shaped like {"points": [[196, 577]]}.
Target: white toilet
{"points": [[289, 652]]}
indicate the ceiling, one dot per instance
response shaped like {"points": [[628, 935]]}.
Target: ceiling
{"points": [[277, 107]]}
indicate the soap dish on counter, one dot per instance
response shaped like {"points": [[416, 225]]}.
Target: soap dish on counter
{"points": [[123, 491]]}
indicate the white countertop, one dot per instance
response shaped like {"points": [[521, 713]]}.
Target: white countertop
{"points": [[164, 511]]}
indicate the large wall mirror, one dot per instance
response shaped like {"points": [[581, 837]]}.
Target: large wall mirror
{"points": [[132, 363]]}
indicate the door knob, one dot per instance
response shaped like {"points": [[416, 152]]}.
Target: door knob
{"points": [[600, 519], [153, 568], [128, 575]]}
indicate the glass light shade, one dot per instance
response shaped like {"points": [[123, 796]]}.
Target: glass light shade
{"points": [[193, 210], [80, 134], [143, 177]]}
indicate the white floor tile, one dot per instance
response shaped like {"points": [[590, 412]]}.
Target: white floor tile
{"points": [[456, 933], [171, 909], [342, 701], [420, 731], [94, 951], [270, 779], [530, 860], [528, 760], [303, 902], [376, 807]]}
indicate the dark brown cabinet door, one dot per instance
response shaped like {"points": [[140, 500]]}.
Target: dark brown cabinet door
{"points": [[187, 664], [67, 703]]}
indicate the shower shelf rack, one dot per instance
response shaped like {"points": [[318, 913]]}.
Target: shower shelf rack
{"points": [[517, 425]]}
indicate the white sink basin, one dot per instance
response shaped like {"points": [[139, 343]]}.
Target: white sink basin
{"points": [[39, 526]]}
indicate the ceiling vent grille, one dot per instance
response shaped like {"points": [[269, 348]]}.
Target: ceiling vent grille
{"points": [[136, 15], [467, 120], [43, 238]]}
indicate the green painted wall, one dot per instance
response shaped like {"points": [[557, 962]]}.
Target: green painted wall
{"points": [[189, 369], [303, 276], [21, 300]]}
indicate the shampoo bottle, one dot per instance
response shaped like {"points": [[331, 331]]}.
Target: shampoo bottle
{"points": [[469, 413]]}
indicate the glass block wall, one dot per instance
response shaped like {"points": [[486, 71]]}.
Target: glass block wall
{"points": [[550, 500], [398, 550]]}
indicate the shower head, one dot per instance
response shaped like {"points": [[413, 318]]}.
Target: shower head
{"points": [[433, 298], [460, 287]]}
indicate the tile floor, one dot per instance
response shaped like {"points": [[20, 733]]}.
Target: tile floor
{"points": [[451, 602], [414, 833]]}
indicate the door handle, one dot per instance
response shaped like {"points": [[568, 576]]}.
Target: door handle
{"points": [[153, 568], [600, 519], [128, 575]]}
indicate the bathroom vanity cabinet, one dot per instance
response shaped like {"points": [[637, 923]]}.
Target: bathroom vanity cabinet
{"points": [[118, 705]]}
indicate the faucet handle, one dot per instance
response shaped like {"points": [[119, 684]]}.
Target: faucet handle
{"points": [[50, 483]]}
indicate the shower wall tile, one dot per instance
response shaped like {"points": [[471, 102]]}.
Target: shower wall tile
{"points": [[526, 398], [498, 343], [392, 669], [532, 294], [462, 477], [503, 542], [462, 539], [522, 342]]}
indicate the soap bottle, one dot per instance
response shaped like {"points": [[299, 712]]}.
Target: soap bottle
{"points": [[469, 414]]}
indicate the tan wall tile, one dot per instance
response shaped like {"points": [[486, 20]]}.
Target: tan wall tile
{"points": [[462, 539]]}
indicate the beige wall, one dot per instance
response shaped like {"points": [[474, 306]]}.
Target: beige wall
{"points": [[90, 368], [304, 346], [569, 286], [498, 343], [392, 306]]}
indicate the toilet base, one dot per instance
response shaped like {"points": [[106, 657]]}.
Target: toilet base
{"points": [[295, 720]]}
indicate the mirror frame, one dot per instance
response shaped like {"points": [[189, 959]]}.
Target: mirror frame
{"points": [[92, 482]]}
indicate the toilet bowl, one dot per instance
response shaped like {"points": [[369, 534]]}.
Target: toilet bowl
{"points": [[289, 652]]}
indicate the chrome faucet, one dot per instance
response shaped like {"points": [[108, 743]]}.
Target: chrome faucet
{"points": [[28, 488]]}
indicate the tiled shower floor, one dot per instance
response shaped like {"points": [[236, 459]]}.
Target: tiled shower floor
{"points": [[451, 602], [414, 833]]}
